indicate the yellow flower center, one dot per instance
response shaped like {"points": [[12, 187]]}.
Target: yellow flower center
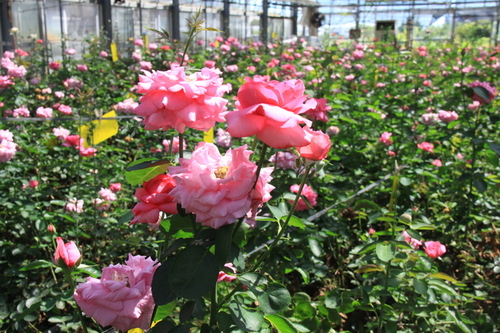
{"points": [[221, 172]]}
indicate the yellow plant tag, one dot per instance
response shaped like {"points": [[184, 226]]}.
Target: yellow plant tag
{"points": [[274, 35], [135, 330], [99, 130], [114, 52], [209, 136], [145, 38]]}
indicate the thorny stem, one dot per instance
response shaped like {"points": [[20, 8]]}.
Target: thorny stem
{"points": [[287, 220]]}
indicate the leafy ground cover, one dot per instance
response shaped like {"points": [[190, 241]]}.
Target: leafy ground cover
{"points": [[396, 230]]}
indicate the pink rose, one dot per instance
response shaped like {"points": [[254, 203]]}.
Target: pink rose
{"points": [[209, 64], [70, 51], [232, 68], [126, 106], [175, 145], [174, 100], [16, 72], [284, 160], [33, 183], [7, 150], [44, 112], [223, 276], [262, 192], [87, 152], [107, 194], [318, 148], [447, 116], [437, 163], [115, 187], [71, 140], [155, 197], [65, 109], [139, 42], [434, 249], [103, 54], [385, 138], [430, 118], [270, 110], [21, 112], [55, 66], [6, 135], [146, 65], [415, 243], [5, 82], [217, 189], [74, 205], [122, 297], [223, 138], [320, 111], [491, 91], [307, 192], [66, 255], [82, 67], [426, 146], [72, 83]]}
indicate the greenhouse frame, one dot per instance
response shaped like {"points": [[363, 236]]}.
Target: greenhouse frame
{"points": [[56, 21]]}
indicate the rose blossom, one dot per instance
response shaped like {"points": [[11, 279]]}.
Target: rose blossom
{"points": [[174, 100], [16, 72], [284, 160], [65, 109], [447, 116], [55, 65], [86, 152], [426, 146], [72, 83], [61, 133], [318, 148], [44, 112], [122, 297], [146, 65], [223, 138], [490, 90], [415, 243], [21, 112], [175, 146], [223, 276], [70, 51], [5, 82], [261, 193], [437, 163], [33, 183], [6, 135], [103, 54], [320, 111], [71, 140], [385, 138], [217, 189], [66, 255], [430, 118], [7, 150], [154, 196], [115, 187], [74, 205], [101, 205], [307, 192], [107, 194], [209, 64], [126, 106], [82, 68], [270, 110], [434, 249]]}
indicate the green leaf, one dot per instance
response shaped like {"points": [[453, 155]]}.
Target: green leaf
{"points": [[304, 310], [443, 276], [249, 320], [420, 286], [145, 173], [456, 317], [163, 326], [333, 300], [483, 93], [296, 222], [277, 213], [405, 181], [385, 251], [194, 272], [348, 120], [162, 292], [36, 265], [164, 310], [494, 147], [366, 204], [223, 240], [480, 185], [274, 299], [282, 324], [93, 271], [315, 247], [443, 287], [126, 218], [369, 268]]}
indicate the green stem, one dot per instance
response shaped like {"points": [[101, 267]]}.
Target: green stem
{"points": [[181, 145], [384, 298], [69, 278], [214, 309], [285, 225]]}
